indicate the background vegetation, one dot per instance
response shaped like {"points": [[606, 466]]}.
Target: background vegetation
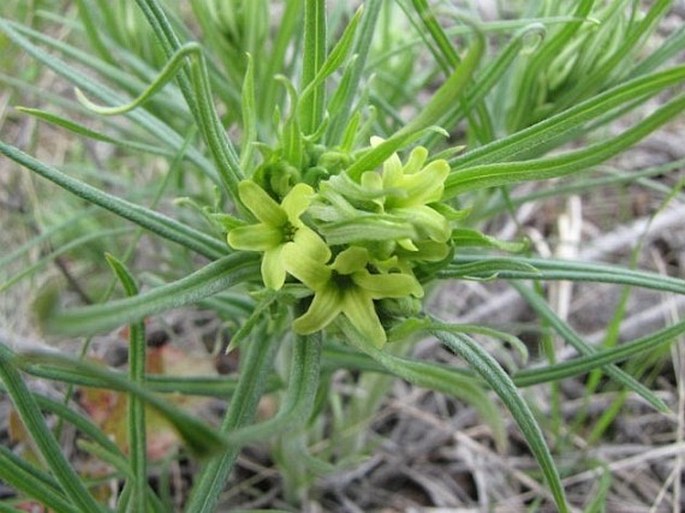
{"points": [[541, 371]]}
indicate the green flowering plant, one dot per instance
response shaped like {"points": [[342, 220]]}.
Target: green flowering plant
{"points": [[376, 229], [329, 200]]}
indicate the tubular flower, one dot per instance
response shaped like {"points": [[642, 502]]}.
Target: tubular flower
{"points": [[346, 287], [420, 185], [398, 203], [280, 227]]}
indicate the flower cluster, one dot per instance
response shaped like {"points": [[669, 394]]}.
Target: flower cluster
{"points": [[351, 243]]}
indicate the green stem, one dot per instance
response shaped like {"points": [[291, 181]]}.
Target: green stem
{"points": [[257, 362]]}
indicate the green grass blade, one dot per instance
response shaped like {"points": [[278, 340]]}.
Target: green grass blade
{"points": [[155, 222], [32, 482], [299, 397], [195, 85], [499, 380], [554, 128], [215, 277], [523, 268], [136, 408], [313, 57], [202, 440], [361, 49], [69, 246], [568, 334], [600, 358], [492, 175], [149, 123], [83, 131], [434, 377], [255, 364], [36, 426]]}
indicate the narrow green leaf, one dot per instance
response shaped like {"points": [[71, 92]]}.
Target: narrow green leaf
{"points": [[671, 47], [286, 33], [631, 43], [487, 269], [335, 58], [195, 85], [249, 111], [467, 237], [298, 402], [81, 423], [32, 482], [600, 358], [598, 502], [490, 76], [81, 130], [293, 140], [522, 268], [554, 128], [165, 75], [136, 408], [200, 385], [433, 377], [200, 438], [449, 92], [314, 55], [224, 273], [40, 433], [442, 42], [255, 364], [258, 314], [492, 175], [119, 462], [147, 121], [499, 380], [361, 49], [91, 30], [527, 89], [60, 250], [155, 222], [568, 334]]}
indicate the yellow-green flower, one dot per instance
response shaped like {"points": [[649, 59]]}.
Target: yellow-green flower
{"points": [[346, 287], [280, 227], [399, 203], [419, 186]]}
